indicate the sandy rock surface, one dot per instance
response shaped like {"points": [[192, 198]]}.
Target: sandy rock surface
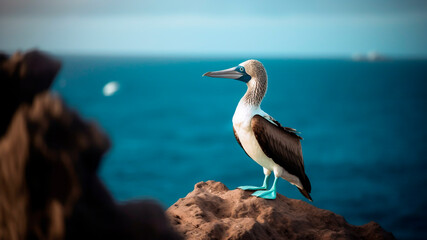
{"points": [[212, 211]]}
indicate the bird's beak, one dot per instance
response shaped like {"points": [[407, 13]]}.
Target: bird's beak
{"points": [[227, 73]]}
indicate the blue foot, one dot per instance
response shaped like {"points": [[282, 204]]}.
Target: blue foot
{"points": [[267, 194], [263, 187], [252, 188]]}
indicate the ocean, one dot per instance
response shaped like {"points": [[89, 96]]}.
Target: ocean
{"points": [[364, 126]]}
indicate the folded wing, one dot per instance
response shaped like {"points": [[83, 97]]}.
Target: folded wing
{"points": [[283, 146]]}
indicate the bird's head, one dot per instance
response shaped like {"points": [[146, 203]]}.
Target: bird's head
{"points": [[246, 72]]}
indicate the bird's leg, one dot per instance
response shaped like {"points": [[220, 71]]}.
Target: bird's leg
{"points": [[267, 194], [264, 186]]}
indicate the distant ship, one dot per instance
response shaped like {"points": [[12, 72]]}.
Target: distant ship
{"points": [[370, 56]]}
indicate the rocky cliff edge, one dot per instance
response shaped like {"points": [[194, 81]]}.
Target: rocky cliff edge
{"points": [[212, 211]]}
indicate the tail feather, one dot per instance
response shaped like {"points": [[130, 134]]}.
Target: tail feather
{"points": [[306, 194], [306, 187]]}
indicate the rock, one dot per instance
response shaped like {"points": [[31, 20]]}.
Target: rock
{"points": [[49, 157], [23, 76], [211, 211]]}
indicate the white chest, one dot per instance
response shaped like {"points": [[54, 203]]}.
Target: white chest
{"points": [[242, 125]]}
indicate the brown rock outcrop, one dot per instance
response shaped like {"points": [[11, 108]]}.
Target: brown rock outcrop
{"points": [[212, 211], [49, 156], [23, 76]]}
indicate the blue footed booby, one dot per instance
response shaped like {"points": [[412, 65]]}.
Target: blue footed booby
{"points": [[276, 148]]}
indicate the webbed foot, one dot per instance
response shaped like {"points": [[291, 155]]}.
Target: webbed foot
{"points": [[267, 194], [252, 188], [263, 187]]}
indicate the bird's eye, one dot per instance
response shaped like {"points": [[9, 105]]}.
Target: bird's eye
{"points": [[241, 69]]}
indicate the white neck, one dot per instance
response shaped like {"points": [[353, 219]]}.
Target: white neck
{"points": [[249, 105], [255, 92]]}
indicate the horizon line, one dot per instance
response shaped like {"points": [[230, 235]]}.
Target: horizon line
{"points": [[361, 56]]}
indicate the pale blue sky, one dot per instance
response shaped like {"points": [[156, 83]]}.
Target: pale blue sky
{"points": [[217, 27]]}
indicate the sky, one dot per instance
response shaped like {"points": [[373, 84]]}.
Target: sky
{"points": [[282, 28]]}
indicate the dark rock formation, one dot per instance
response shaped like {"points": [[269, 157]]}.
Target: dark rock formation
{"points": [[49, 156], [212, 211], [22, 76]]}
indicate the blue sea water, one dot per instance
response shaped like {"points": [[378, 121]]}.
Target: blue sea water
{"points": [[363, 123]]}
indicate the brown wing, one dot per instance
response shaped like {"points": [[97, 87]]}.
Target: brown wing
{"points": [[238, 141], [282, 145], [292, 131]]}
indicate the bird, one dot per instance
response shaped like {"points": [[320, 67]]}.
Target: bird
{"points": [[276, 148]]}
